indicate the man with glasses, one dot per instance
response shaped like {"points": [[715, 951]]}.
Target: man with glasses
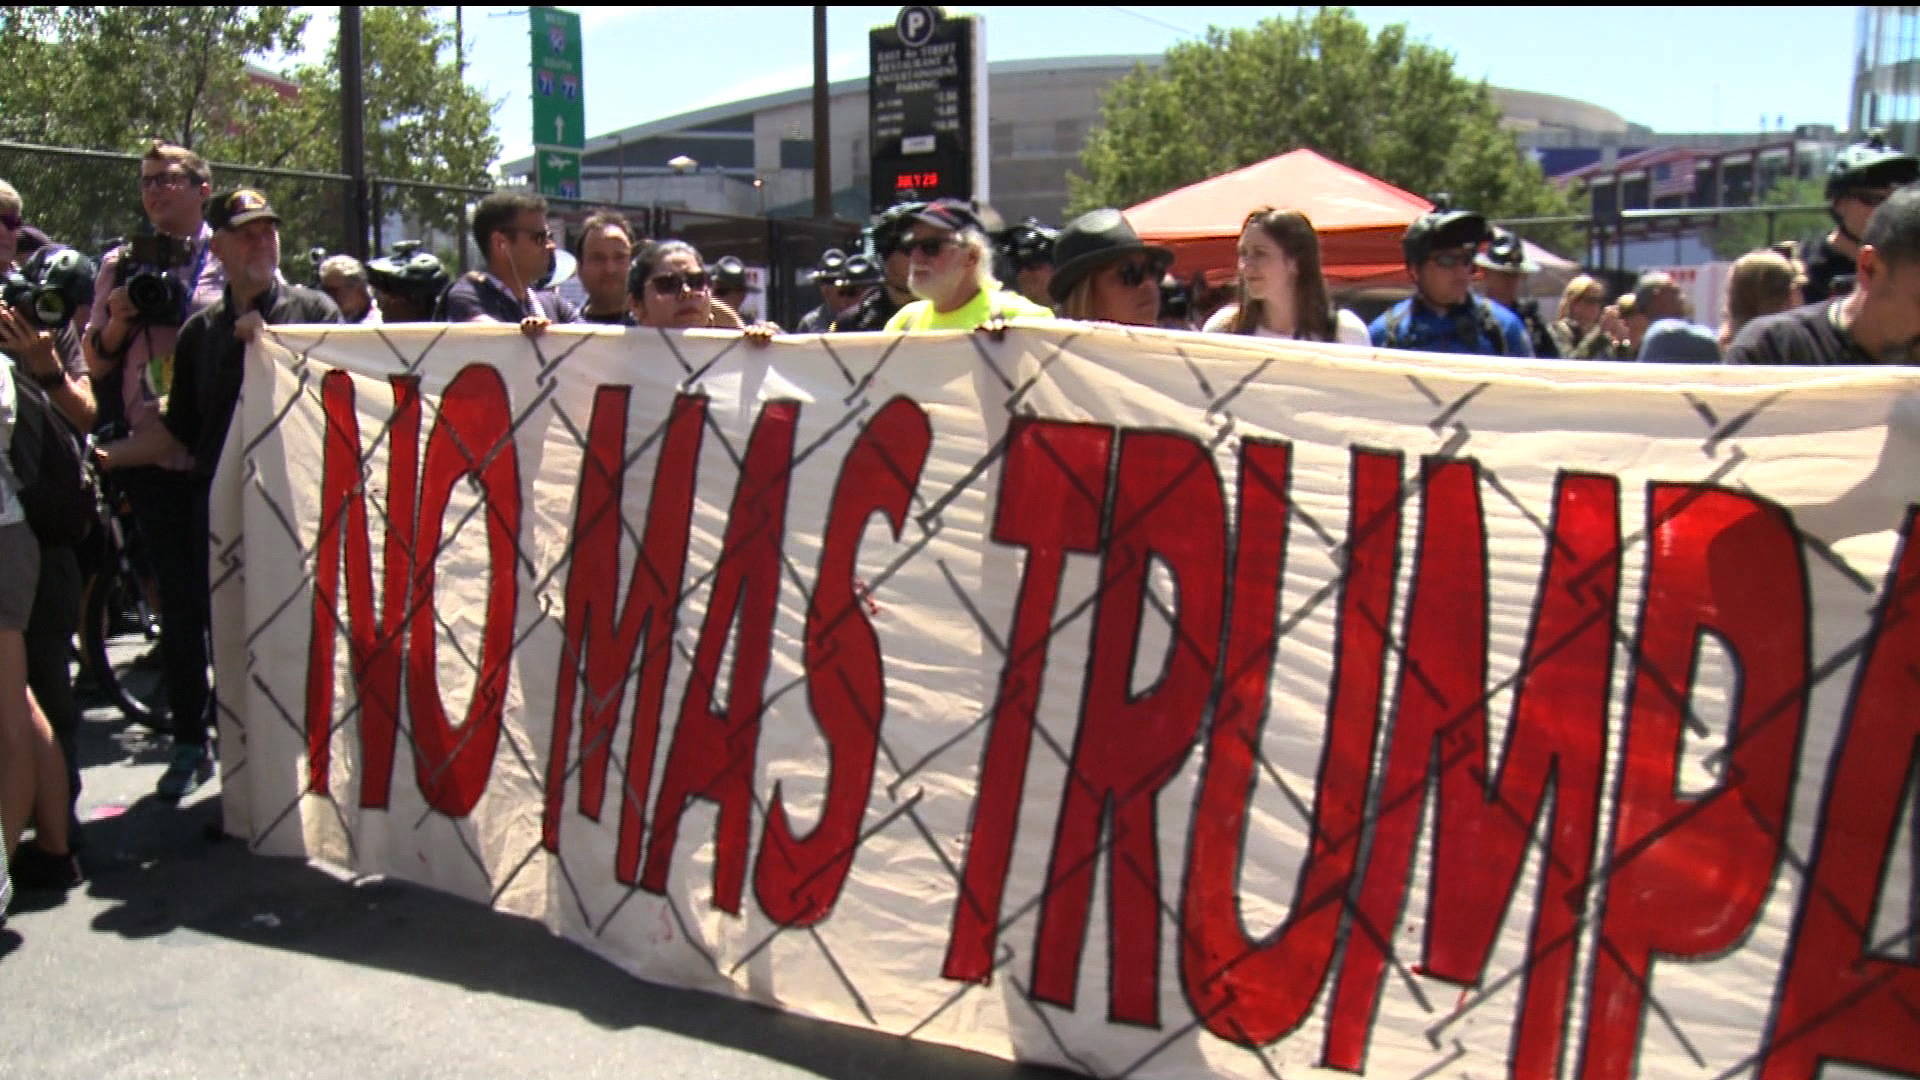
{"points": [[950, 269], [1860, 179], [511, 230], [1443, 315], [130, 353]]}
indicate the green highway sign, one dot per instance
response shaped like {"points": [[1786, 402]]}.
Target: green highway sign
{"points": [[559, 98], [557, 172]]}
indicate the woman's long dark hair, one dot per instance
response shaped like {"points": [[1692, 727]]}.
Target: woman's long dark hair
{"points": [[1312, 310]]}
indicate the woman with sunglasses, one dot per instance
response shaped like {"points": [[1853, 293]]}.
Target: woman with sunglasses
{"points": [[669, 288], [1281, 292], [1104, 272]]}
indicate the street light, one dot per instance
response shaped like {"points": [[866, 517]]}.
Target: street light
{"points": [[682, 164]]}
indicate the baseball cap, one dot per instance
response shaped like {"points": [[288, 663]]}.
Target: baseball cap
{"points": [[241, 206], [950, 214]]}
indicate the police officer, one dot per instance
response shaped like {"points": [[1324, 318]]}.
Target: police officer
{"points": [[1028, 249], [878, 305], [1443, 315], [1860, 179], [1504, 268], [837, 299], [407, 283]]}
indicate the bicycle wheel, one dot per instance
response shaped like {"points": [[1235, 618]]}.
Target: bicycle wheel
{"points": [[120, 639]]}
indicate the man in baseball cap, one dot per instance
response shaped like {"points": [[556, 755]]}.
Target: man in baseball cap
{"points": [[208, 361], [950, 269]]}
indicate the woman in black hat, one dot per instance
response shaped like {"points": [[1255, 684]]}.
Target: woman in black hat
{"points": [[1104, 272], [1282, 292]]}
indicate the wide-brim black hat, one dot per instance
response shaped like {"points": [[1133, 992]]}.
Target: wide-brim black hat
{"points": [[1092, 240]]}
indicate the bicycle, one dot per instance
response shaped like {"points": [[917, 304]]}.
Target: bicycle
{"points": [[120, 611]]}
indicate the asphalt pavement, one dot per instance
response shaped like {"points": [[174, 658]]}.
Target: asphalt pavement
{"points": [[184, 955]]}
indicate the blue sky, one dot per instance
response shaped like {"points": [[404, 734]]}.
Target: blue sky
{"points": [[1673, 69]]}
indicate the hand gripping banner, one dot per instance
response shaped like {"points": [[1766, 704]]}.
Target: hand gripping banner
{"points": [[1150, 704]]}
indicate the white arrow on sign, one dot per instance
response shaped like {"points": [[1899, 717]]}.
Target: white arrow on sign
{"points": [[559, 129]]}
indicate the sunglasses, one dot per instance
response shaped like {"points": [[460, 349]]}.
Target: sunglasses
{"points": [[1450, 261], [929, 247], [1873, 197], [541, 236], [1132, 274], [165, 180], [672, 284], [12, 221]]}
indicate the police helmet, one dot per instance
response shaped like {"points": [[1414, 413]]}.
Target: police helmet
{"points": [[891, 224], [1027, 244], [410, 272], [1506, 254], [729, 274], [1870, 164], [1441, 227]]}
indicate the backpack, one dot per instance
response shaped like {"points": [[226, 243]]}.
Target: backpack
{"points": [[58, 488]]}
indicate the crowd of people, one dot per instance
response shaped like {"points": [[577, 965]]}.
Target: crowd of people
{"points": [[143, 355]]}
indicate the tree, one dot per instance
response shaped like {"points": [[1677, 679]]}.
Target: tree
{"points": [[1377, 103], [111, 78], [1735, 236]]}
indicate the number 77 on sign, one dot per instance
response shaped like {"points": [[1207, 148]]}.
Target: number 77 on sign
{"points": [[559, 100]]}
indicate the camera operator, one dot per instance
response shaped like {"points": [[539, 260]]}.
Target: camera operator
{"points": [[145, 291], [40, 302]]}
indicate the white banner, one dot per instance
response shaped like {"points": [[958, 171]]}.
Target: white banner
{"points": [[1141, 702]]}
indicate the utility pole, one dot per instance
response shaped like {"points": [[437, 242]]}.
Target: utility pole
{"points": [[353, 140], [822, 137]]}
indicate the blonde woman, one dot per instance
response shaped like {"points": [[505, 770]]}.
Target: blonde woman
{"points": [[1762, 283], [1104, 272], [1282, 292], [1577, 333]]}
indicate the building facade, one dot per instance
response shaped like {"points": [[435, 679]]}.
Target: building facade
{"points": [[1886, 75]]}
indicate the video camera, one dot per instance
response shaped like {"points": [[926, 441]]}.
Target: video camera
{"points": [[55, 283], [145, 271]]}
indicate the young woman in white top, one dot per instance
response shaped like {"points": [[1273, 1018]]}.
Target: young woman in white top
{"points": [[1282, 293], [33, 775]]}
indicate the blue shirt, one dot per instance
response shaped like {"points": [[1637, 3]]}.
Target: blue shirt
{"points": [[1460, 330]]}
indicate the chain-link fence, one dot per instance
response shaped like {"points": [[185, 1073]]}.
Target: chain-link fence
{"points": [[90, 199]]}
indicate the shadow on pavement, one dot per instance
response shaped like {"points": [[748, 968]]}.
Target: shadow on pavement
{"points": [[166, 868]]}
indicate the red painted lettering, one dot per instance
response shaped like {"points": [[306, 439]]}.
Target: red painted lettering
{"points": [[1053, 486], [796, 879], [1688, 873], [602, 635], [712, 755], [1839, 1001], [1167, 505]]}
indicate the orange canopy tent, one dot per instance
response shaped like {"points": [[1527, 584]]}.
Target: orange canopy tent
{"points": [[1359, 219]]}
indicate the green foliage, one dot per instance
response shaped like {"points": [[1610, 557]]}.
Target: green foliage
{"points": [[1735, 236], [112, 78], [1378, 103]]}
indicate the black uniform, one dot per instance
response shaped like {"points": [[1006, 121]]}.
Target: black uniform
{"points": [[1829, 273], [870, 315]]}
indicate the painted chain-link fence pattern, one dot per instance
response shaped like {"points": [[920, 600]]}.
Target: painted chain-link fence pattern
{"points": [[1144, 703]]}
